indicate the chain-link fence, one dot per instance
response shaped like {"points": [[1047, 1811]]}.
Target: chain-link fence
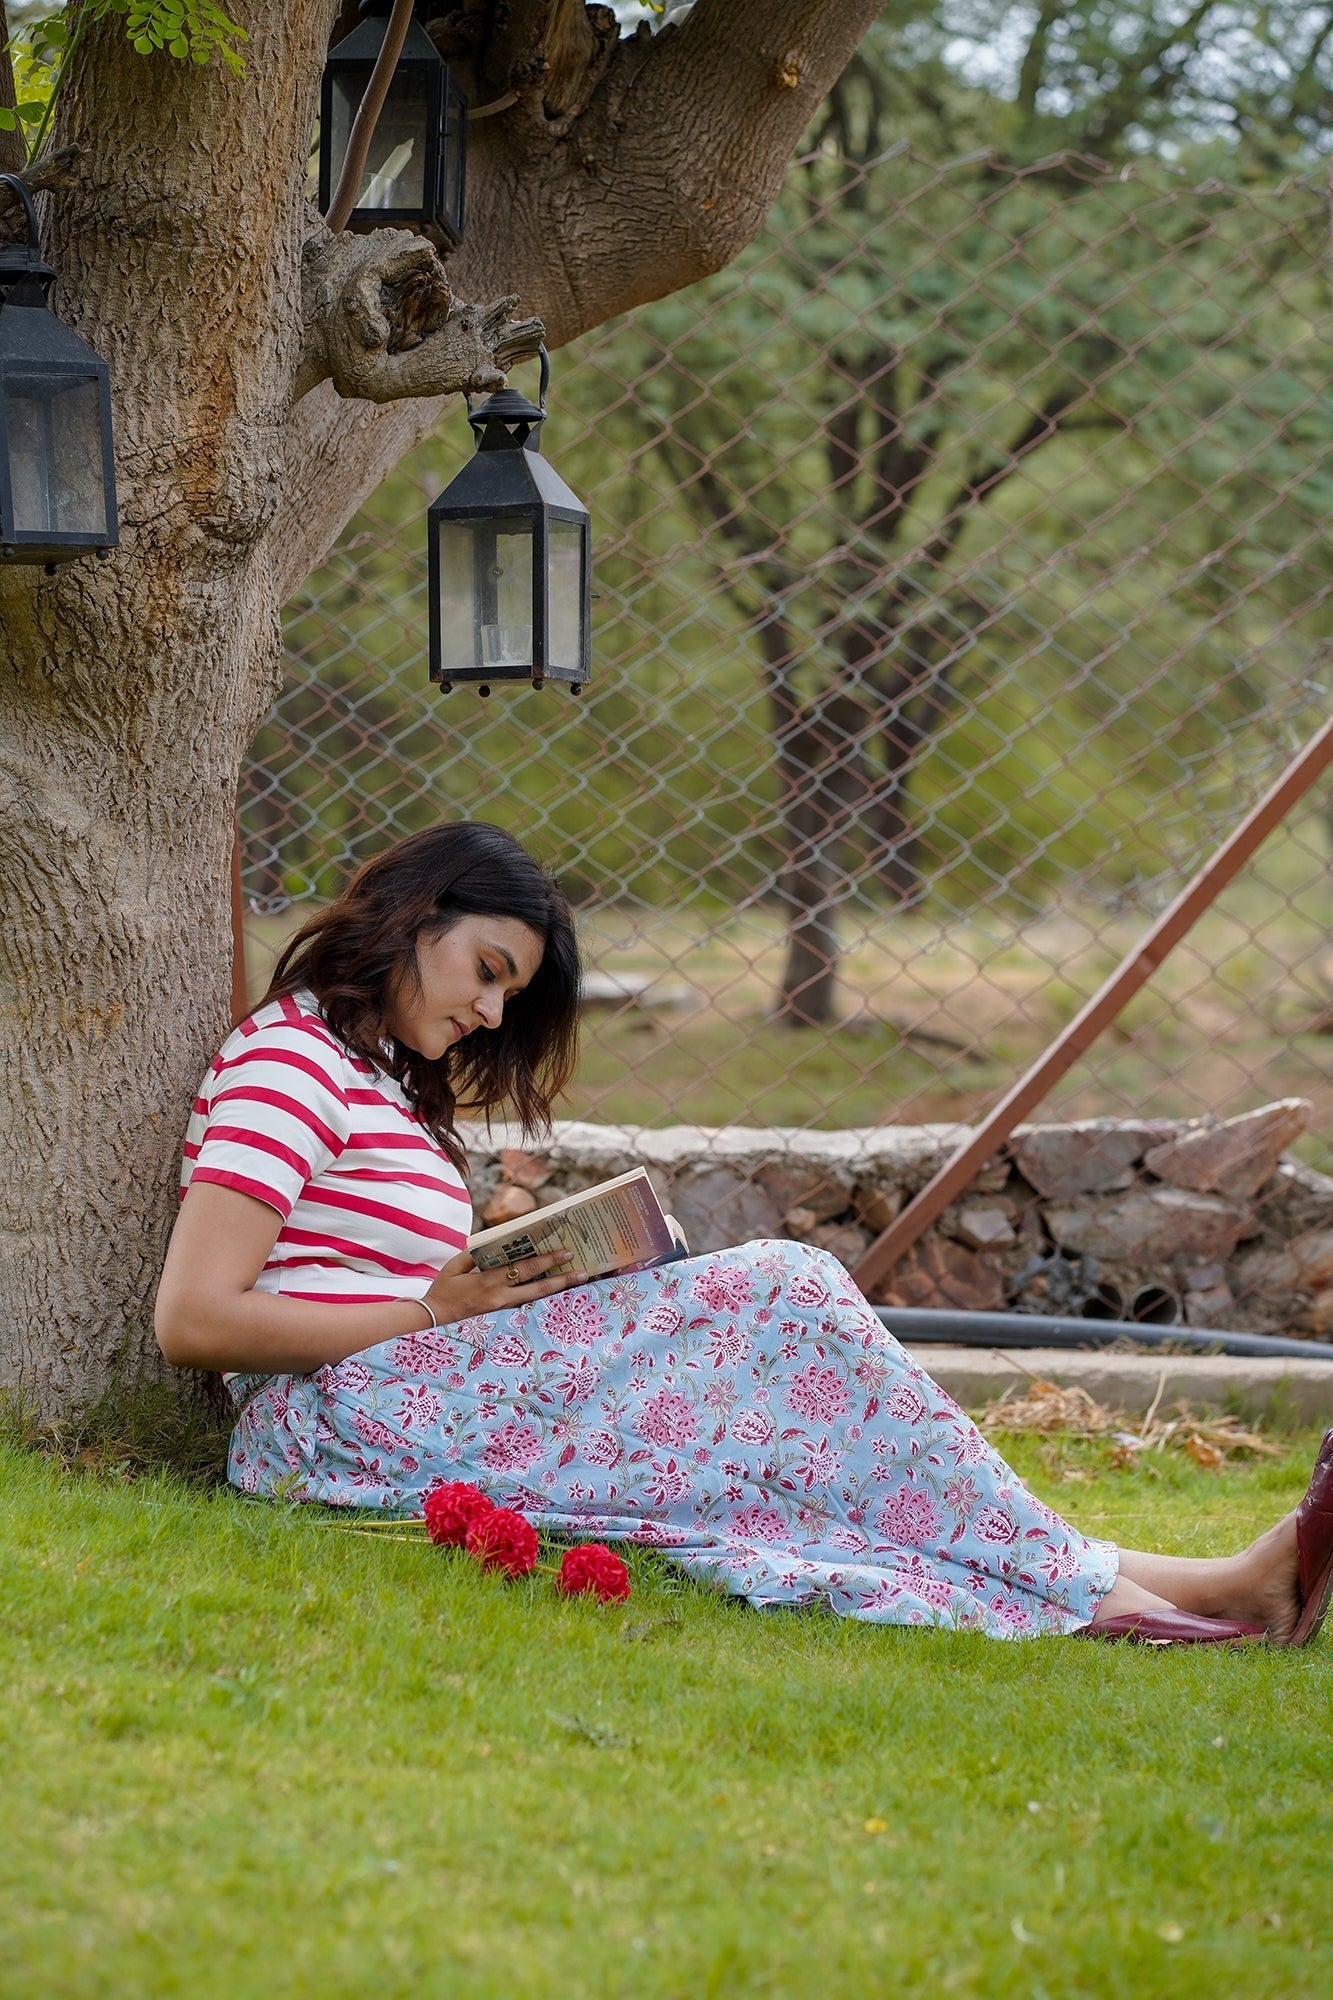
{"points": [[963, 559]]}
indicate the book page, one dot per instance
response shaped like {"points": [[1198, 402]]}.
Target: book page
{"points": [[613, 1230]]}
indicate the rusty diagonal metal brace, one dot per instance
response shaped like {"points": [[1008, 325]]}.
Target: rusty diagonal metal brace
{"points": [[1134, 972]]}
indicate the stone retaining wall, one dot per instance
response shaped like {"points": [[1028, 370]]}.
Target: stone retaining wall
{"points": [[1083, 1218]]}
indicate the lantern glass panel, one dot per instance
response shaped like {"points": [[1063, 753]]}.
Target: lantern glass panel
{"points": [[53, 425], [395, 174], [504, 553], [485, 595], [455, 160], [565, 589], [460, 637]]}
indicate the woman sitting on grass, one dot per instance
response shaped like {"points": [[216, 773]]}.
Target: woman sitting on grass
{"points": [[744, 1411]]}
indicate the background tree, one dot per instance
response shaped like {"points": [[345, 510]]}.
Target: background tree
{"points": [[864, 554], [254, 409]]}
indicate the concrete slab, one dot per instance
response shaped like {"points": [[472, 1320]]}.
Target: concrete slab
{"points": [[1281, 1391]]}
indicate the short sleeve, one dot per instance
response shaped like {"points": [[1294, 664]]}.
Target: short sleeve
{"points": [[274, 1114]]}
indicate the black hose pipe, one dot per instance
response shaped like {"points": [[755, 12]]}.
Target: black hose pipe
{"points": [[974, 1329]]}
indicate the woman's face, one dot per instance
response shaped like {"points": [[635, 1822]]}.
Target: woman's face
{"points": [[466, 975]]}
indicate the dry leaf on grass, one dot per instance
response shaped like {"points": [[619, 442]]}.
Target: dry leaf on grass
{"points": [[1048, 1409], [1123, 1456]]}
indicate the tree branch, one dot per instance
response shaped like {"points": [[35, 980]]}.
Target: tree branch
{"points": [[1032, 69], [1304, 86], [1124, 100], [55, 171], [381, 323], [666, 173], [551, 54], [901, 458], [1042, 425], [772, 582], [842, 431]]}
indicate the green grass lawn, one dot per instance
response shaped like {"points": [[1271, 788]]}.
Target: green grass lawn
{"points": [[247, 1753]]}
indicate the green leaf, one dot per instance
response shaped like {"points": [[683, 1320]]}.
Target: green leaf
{"points": [[185, 29], [8, 122]]}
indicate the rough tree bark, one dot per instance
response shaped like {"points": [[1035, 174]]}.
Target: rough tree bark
{"points": [[250, 355], [12, 147]]}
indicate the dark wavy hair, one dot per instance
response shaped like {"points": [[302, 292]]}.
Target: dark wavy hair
{"points": [[352, 954]]}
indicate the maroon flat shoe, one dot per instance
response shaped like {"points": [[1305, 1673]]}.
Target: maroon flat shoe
{"points": [[1314, 1546], [1173, 1628]]}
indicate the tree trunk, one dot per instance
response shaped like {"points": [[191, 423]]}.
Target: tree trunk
{"points": [[129, 690], [897, 846], [13, 148], [832, 794], [826, 788], [114, 965], [808, 994]]}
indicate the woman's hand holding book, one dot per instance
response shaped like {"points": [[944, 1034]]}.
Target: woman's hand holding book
{"points": [[463, 1292]]}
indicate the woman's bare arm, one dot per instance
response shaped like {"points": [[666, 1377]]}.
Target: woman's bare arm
{"points": [[209, 1315]]}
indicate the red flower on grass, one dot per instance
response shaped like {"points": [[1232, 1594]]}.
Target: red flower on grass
{"points": [[592, 1567], [451, 1508], [459, 1515], [503, 1540]]}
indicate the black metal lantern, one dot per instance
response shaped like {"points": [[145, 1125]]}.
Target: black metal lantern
{"points": [[510, 552], [57, 482], [417, 164]]}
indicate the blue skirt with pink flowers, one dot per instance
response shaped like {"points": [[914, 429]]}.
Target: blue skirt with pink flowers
{"points": [[745, 1412]]}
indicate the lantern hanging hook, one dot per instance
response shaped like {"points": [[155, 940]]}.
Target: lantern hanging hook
{"points": [[543, 385]]}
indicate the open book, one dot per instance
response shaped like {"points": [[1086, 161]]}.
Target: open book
{"points": [[616, 1226]]}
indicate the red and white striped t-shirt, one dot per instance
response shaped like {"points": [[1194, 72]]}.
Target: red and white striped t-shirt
{"points": [[371, 1206]]}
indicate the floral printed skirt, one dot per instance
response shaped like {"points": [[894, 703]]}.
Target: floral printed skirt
{"points": [[745, 1412]]}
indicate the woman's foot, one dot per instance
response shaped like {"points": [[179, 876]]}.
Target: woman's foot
{"points": [[1260, 1586], [1283, 1582], [1268, 1585], [1127, 1599]]}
